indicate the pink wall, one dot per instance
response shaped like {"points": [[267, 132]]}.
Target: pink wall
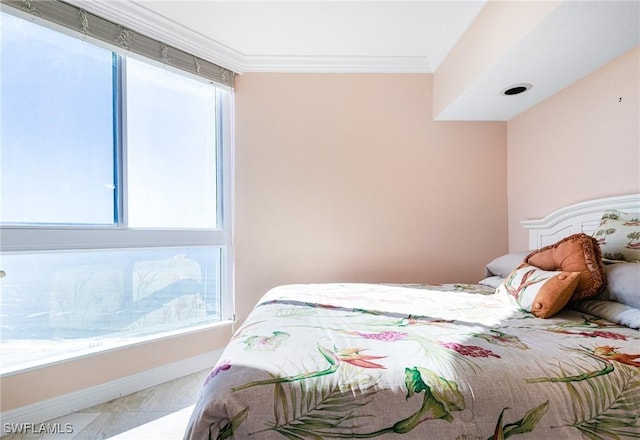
{"points": [[346, 177], [580, 144]]}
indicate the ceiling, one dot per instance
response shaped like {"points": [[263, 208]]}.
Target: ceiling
{"points": [[574, 39], [328, 36]]}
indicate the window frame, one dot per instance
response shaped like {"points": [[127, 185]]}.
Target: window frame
{"points": [[25, 238]]}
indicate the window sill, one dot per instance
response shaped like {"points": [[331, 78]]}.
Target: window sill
{"points": [[110, 346]]}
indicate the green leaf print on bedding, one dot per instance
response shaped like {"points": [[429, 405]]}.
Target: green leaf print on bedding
{"points": [[334, 358], [604, 399], [606, 408], [303, 411], [266, 343], [228, 429], [525, 424]]}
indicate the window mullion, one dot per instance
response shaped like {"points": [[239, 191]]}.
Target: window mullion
{"points": [[120, 147], [24, 239], [119, 139]]}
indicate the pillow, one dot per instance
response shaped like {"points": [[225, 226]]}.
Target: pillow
{"points": [[611, 311], [541, 292], [619, 236], [623, 284], [503, 265], [575, 253], [492, 281]]}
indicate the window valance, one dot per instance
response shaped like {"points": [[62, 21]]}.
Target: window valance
{"points": [[82, 21]]}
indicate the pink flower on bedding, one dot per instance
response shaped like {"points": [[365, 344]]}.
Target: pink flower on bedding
{"points": [[354, 357], [592, 334], [387, 336], [469, 350], [225, 365], [609, 353], [607, 335]]}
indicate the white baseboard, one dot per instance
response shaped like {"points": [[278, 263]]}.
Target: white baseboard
{"points": [[69, 403]]}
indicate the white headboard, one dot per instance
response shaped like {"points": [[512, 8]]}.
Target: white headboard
{"points": [[580, 217]]}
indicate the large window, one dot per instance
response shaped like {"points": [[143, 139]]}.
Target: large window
{"points": [[115, 197]]}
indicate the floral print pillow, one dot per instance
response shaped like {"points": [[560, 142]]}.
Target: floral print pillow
{"points": [[619, 236], [541, 292]]}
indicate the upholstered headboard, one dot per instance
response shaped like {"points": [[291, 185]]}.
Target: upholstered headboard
{"points": [[579, 217]]}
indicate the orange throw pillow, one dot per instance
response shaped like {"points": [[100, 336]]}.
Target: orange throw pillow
{"points": [[540, 292], [576, 253]]}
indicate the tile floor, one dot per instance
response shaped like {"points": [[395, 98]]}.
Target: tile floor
{"points": [[156, 413]]}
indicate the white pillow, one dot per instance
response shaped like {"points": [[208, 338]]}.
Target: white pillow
{"points": [[611, 311], [623, 284], [504, 264], [493, 281]]}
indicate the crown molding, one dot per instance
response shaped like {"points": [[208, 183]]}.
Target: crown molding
{"points": [[336, 64], [137, 17], [140, 19]]}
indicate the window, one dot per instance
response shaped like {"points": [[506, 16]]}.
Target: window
{"points": [[115, 197]]}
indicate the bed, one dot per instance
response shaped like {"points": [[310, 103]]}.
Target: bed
{"points": [[449, 361]]}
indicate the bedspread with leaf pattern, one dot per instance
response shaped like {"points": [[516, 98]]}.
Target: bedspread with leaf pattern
{"points": [[329, 361]]}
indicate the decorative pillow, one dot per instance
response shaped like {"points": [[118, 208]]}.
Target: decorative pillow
{"points": [[541, 292], [504, 264], [575, 253], [619, 236]]}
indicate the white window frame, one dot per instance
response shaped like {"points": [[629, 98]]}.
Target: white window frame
{"points": [[38, 238]]}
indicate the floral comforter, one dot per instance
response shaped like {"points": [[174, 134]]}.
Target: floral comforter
{"points": [[436, 361]]}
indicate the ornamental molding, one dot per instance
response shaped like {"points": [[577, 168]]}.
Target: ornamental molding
{"points": [[337, 64], [136, 17], [141, 20]]}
